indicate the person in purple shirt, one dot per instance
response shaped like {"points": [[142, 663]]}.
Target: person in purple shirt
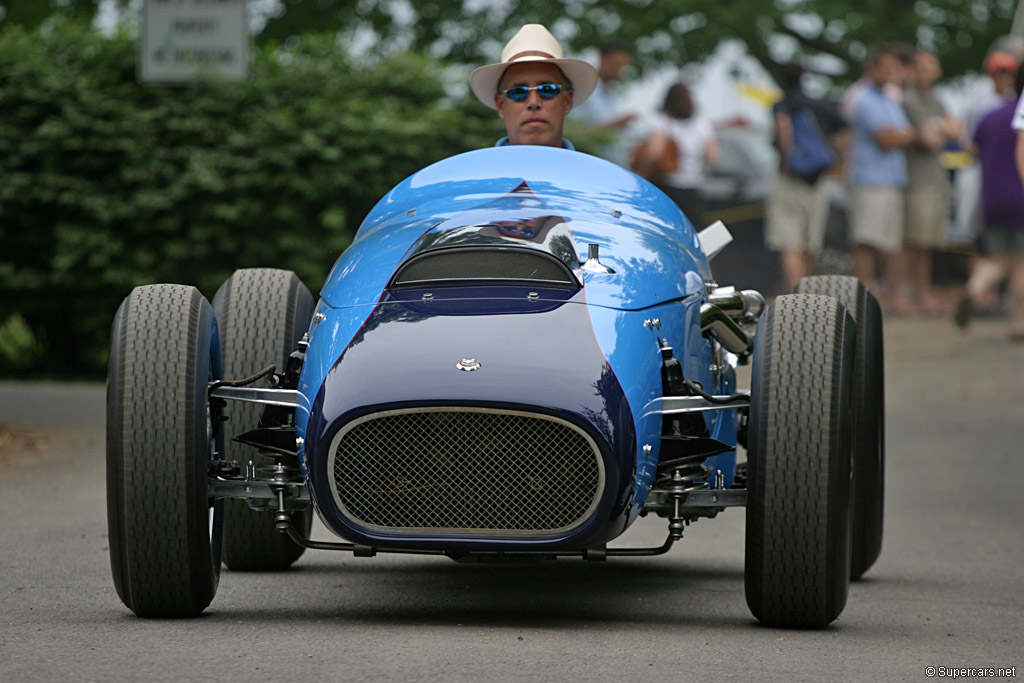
{"points": [[1002, 206]]}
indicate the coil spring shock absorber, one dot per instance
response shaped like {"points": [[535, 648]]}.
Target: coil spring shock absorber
{"points": [[683, 476], [686, 444]]}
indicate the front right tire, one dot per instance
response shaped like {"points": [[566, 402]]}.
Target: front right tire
{"points": [[164, 529]]}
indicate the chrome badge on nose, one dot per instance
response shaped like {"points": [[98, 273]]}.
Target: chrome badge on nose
{"points": [[468, 364]]}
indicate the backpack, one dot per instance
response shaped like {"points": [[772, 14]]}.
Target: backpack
{"points": [[811, 153], [645, 165]]}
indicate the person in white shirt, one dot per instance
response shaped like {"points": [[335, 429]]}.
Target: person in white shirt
{"points": [[696, 144]]}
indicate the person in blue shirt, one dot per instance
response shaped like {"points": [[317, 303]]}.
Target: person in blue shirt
{"points": [[533, 88], [603, 110], [878, 172]]}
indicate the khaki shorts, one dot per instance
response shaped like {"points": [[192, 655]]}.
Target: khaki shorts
{"points": [[927, 215], [876, 217], [1003, 240], [796, 216]]}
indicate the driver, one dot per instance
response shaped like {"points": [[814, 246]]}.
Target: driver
{"points": [[533, 88]]}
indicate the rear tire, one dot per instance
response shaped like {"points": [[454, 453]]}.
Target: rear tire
{"points": [[869, 414], [798, 487], [164, 530], [262, 314]]}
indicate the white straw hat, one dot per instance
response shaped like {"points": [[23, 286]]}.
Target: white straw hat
{"points": [[533, 43]]}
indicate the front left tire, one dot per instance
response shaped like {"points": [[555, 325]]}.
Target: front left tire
{"points": [[262, 313], [797, 567]]}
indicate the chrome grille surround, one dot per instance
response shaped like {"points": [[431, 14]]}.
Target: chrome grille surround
{"points": [[469, 264], [465, 470]]}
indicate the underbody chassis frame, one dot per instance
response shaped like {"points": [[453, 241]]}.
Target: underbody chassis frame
{"points": [[281, 489]]}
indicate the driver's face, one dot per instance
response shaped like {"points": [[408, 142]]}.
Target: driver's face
{"points": [[533, 121]]}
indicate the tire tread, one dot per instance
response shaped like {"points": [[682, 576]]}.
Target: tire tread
{"points": [[791, 554], [263, 312], [869, 408], [161, 568]]}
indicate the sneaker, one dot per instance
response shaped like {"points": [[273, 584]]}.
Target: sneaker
{"points": [[964, 309]]}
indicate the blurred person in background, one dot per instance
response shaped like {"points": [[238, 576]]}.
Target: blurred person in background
{"points": [[1001, 67], [603, 111], [928, 189], [693, 136], [878, 169], [798, 208], [999, 146], [893, 88]]}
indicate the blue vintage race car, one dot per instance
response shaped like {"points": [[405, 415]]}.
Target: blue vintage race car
{"points": [[523, 351]]}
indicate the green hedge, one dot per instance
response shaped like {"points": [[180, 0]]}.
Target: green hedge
{"points": [[105, 184]]}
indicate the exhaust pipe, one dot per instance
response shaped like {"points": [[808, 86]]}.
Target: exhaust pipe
{"points": [[746, 305], [722, 315], [716, 321]]}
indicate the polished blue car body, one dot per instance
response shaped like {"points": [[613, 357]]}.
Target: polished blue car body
{"points": [[588, 353]]}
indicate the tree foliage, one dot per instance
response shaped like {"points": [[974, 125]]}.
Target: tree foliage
{"points": [[31, 13], [670, 31], [829, 35], [108, 184]]}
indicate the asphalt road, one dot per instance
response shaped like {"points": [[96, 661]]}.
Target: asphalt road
{"points": [[946, 592]]}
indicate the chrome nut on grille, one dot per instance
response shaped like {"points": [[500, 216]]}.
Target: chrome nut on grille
{"points": [[465, 470]]}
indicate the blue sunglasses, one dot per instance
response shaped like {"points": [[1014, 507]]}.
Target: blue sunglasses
{"points": [[545, 90]]}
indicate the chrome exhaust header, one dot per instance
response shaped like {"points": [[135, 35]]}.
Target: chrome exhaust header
{"points": [[715, 321], [725, 311], [744, 306]]}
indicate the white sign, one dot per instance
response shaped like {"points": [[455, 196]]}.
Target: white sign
{"points": [[183, 39]]}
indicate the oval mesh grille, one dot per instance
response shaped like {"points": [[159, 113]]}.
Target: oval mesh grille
{"points": [[464, 470], [484, 264]]}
